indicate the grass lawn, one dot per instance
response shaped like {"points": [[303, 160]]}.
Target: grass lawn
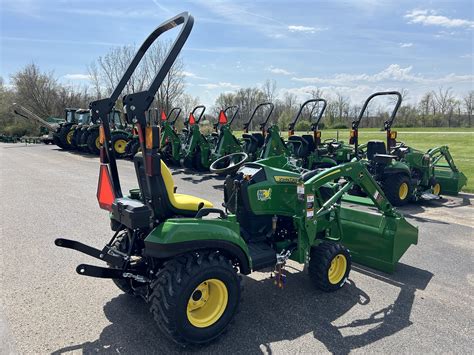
{"points": [[459, 140]]}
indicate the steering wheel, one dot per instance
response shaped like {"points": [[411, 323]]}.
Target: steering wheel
{"points": [[228, 164], [329, 141]]}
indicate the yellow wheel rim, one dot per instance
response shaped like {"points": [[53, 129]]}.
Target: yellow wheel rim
{"points": [[207, 303], [403, 191], [119, 146], [437, 189], [69, 137], [97, 142], [337, 270]]}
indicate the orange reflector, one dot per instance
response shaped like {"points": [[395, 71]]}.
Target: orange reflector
{"points": [[163, 115], [101, 135], [353, 133], [290, 133], [317, 134], [191, 120], [393, 134], [149, 137], [222, 118], [105, 191]]}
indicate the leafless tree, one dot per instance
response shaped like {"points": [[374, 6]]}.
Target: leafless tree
{"points": [[269, 88], [468, 102]]}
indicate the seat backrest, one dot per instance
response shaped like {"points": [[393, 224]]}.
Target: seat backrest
{"points": [[259, 137], [164, 189], [309, 138], [375, 147]]}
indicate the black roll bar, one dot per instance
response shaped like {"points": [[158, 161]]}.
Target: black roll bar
{"points": [[264, 123], [137, 104], [314, 126]]}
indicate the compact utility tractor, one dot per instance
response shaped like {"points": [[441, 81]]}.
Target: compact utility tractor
{"points": [[199, 150], [405, 173], [187, 266], [254, 141], [307, 148], [65, 130]]}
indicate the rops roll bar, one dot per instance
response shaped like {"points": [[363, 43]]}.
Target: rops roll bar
{"points": [[314, 126], [264, 123], [354, 138], [137, 104]]}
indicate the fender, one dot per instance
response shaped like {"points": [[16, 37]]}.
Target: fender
{"points": [[114, 132], [180, 235]]}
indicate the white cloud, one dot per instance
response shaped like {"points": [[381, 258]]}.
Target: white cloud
{"points": [[77, 76], [191, 75], [304, 29], [280, 71], [393, 73], [469, 56], [431, 18], [220, 85], [406, 45]]}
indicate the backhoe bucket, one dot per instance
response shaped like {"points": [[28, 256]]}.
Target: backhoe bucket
{"points": [[451, 182], [375, 240]]}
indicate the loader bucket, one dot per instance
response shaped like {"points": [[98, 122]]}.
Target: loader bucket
{"points": [[374, 239], [451, 182]]}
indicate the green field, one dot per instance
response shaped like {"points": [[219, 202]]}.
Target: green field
{"points": [[459, 140]]}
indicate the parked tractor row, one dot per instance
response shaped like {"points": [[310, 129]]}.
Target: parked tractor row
{"points": [[323, 204]]}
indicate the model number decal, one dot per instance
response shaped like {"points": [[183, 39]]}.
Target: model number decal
{"points": [[287, 179]]}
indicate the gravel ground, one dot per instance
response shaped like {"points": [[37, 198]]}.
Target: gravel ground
{"points": [[425, 306]]}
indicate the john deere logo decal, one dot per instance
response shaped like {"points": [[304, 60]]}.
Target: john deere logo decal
{"points": [[287, 179], [264, 195]]}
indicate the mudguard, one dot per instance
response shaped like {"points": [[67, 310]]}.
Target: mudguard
{"points": [[181, 235]]}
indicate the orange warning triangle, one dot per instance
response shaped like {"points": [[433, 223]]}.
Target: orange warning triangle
{"points": [[191, 120], [222, 118]]}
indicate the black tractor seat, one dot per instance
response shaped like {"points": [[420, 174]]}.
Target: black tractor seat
{"points": [[253, 141], [302, 146]]}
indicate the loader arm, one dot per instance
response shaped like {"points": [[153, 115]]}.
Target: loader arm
{"points": [[25, 113]]}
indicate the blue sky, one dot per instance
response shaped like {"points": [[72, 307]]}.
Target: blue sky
{"points": [[350, 47]]}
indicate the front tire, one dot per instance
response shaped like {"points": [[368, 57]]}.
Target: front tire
{"points": [[329, 266], [195, 297]]}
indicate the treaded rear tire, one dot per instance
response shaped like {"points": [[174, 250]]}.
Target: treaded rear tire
{"points": [[177, 281], [92, 136], [115, 138], [391, 188], [320, 260], [121, 244]]}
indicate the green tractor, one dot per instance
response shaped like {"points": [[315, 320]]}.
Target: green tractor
{"points": [[63, 134], [254, 142], [83, 118], [448, 179], [404, 173], [307, 149], [188, 267], [89, 139], [48, 126]]}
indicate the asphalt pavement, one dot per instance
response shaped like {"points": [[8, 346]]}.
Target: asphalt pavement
{"points": [[426, 306]]}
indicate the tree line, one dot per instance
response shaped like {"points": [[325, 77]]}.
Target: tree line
{"points": [[44, 94]]}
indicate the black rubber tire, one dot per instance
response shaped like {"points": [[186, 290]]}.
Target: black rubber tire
{"points": [[320, 260], [391, 187], [197, 164], [63, 138], [75, 141], [121, 244], [91, 139], [117, 137], [83, 141], [134, 147], [174, 285], [56, 140], [77, 137]]}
